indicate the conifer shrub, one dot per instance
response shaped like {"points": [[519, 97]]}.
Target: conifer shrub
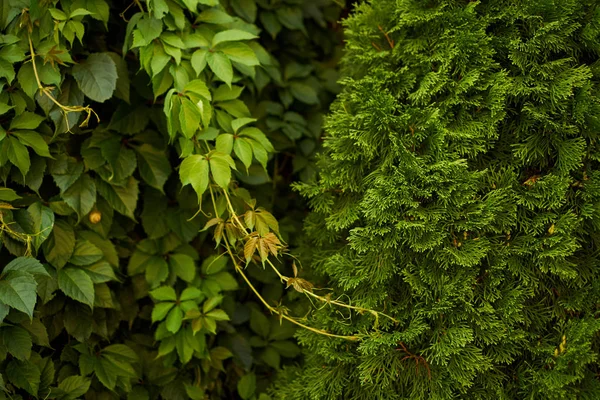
{"points": [[459, 192]]}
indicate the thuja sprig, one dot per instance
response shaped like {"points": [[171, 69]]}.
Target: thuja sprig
{"points": [[269, 245]]}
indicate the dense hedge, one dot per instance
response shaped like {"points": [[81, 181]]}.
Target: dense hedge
{"points": [[460, 192], [124, 130]]}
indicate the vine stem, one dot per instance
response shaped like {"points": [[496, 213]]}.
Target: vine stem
{"points": [[47, 92], [306, 291], [272, 309]]}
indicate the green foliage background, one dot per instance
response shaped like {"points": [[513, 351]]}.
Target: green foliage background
{"points": [[117, 123]]}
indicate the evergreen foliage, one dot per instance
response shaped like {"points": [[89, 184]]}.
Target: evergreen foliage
{"points": [[459, 191]]}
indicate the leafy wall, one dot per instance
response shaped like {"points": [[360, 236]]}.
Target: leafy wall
{"points": [[133, 139]]}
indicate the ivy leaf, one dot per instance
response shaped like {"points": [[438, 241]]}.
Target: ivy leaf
{"points": [[174, 320], [26, 120], [85, 253], [106, 373], [232, 35], [18, 290], [122, 198], [147, 29], [75, 386], [190, 293], [26, 264], [60, 244], [153, 165], [122, 89], [18, 342], [164, 293], [243, 150], [160, 310], [198, 60], [220, 168], [43, 221], [101, 272], [183, 266], [240, 52], [81, 195], [304, 93], [24, 375], [224, 143], [97, 76], [77, 285], [197, 86], [221, 66], [247, 386], [8, 194], [194, 170], [17, 154], [35, 141], [189, 118]]}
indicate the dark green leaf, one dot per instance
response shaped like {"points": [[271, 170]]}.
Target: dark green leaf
{"points": [[77, 285], [97, 76]]}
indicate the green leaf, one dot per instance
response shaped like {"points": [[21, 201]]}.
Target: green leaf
{"points": [[232, 35], [147, 29], [101, 272], [24, 375], [239, 52], [214, 16], [122, 198], [65, 171], [38, 332], [183, 266], [219, 64], [18, 342], [26, 264], [35, 141], [76, 284], [122, 90], [174, 320], [224, 143], [17, 154], [211, 303], [106, 373], [97, 76], [194, 170], [220, 168], [247, 386], [190, 293], [198, 60], [7, 194], [81, 195], [164, 293], [26, 120], [189, 118], [18, 290], [243, 150], [153, 165], [75, 386], [60, 244], [43, 221], [259, 323], [157, 270], [121, 352], [218, 315], [160, 310], [198, 87], [85, 253], [304, 93]]}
